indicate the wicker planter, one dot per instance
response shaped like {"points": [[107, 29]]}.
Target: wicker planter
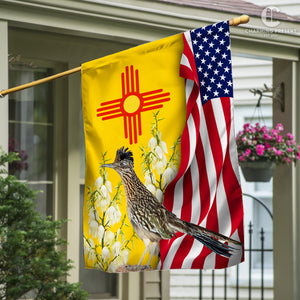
{"points": [[258, 171]]}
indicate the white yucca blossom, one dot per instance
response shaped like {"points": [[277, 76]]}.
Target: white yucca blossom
{"points": [[103, 204], [159, 152], [94, 215], [93, 228], [112, 268], [97, 199], [163, 146], [116, 248], [148, 177], [108, 237], [159, 195], [108, 185], [91, 256], [120, 260], [99, 182], [159, 166], [113, 215], [168, 175], [152, 143], [124, 256], [105, 253], [151, 188], [101, 231], [86, 246], [104, 192], [159, 161]]}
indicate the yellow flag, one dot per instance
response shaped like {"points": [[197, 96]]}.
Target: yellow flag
{"points": [[135, 99]]}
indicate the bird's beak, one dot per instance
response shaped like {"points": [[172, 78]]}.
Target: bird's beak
{"points": [[112, 166]]}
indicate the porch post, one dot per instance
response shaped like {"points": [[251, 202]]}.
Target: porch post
{"points": [[286, 191], [4, 85]]}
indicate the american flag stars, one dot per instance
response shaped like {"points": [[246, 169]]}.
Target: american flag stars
{"points": [[211, 47]]}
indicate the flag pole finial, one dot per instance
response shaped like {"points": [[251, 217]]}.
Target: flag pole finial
{"points": [[239, 20]]}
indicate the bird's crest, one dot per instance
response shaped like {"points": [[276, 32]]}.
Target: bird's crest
{"points": [[124, 153]]}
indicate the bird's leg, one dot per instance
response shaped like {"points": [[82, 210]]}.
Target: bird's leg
{"points": [[151, 250], [147, 243]]}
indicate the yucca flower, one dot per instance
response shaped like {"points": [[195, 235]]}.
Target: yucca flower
{"points": [[159, 195], [113, 215], [108, 237], [116, 248], [168, 175], [105, 254], [101, 231], [93, 228]]}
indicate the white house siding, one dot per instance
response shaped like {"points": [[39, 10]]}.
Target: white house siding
{"points": [[290, 7]]}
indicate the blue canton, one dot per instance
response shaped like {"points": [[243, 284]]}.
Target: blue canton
{"points": [[211, 46]]}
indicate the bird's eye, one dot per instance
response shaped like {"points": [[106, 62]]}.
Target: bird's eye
{"points": [[123, 163]]}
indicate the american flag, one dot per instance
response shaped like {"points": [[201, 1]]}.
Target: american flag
{"points": [[206, 190]]}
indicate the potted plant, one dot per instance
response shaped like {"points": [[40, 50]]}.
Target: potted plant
{"points": [[260, 149]]}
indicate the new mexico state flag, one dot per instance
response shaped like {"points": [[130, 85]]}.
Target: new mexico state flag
{"points": [[135, 99]]}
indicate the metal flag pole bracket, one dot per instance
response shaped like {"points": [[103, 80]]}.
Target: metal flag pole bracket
{"points": [[232, 22], [277, 94]]}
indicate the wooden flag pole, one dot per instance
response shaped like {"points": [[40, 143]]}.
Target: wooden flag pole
{"points": [[232, 22], [40, 81]]}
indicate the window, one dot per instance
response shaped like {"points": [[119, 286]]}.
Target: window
{"points": [[31, 132]]}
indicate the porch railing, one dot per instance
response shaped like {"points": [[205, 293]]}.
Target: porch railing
{"points": [[251, 280], [237, 286]]}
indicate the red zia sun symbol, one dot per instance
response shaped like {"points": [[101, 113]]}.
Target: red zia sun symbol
{"points": [[132, 104]]}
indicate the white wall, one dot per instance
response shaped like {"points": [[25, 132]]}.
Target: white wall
{"points": [[291, 7]]}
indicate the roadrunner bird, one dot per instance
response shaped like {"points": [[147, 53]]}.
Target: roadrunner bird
{"points": [[151, 220]]}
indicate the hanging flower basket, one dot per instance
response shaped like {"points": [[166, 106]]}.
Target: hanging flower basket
{"points": [[258, 171], [260, 149]]}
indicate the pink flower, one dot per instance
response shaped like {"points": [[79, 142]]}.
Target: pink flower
{"points": [[260, 149], [267, 146], [278, 152], [290, 150], [247, 152], [287, 160], [279, 139], [274, 132], [246, 125], [267, 136], [264, 129], [241, 158], [290, 136], [279, 127]]}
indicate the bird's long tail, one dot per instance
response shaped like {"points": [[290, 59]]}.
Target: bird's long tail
{"points": [[212, 240]]}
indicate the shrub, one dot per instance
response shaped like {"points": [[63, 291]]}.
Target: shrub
{"points": [[29, 257]]}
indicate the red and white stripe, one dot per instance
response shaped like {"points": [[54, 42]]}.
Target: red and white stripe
{"points": [[206, 190]]}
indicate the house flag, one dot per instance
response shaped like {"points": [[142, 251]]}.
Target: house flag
{"points": [[161, 157]]}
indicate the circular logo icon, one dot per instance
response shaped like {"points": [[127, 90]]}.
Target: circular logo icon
{"points": [[268, 18]]}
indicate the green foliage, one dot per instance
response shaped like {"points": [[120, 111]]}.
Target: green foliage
{"points": [[29, 259]]}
